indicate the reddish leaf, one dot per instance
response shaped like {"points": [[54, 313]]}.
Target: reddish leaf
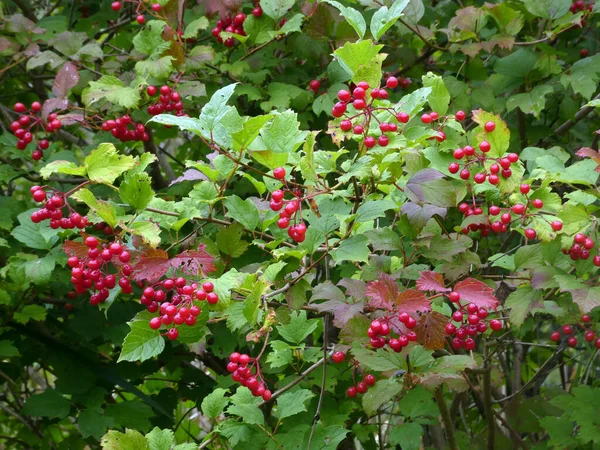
{"points": [[382, 292], [431, 281], [151, 265], [587, 152], [73, 248], [342, 311], [411, 301], [475, 291], [54, 104], [354, 288], [431, 330], [66, 78], [193, 262]]}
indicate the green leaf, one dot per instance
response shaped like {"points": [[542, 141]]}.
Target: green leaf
{"points": [[7, 349], [104, 164], [159, 68], [148, 231], [499, 139], [130, 440], [584, 76], [384, 18], [47, 404], [518, 64], [215, 111], [242, 211], [548, 9], [380, 360], [93, 423], [113, 90], [418, 402], [292, 403], [30, 312], [34, 235], [251, 414], [354, 249], [136, 190], [214, 403], [39, 271], [282, 134], [521, 302], [532, 102], [184, 123], [383, 392], [103, 209], [574, 218], [439, 99], [371, 210], [250, 131], [149, 41], [281, 354], [160, 439], [298, 328], [353, 17], [276, 9], [131, 414], [66, 167], [229, 240], [420, 356], [406, 435], [142, 342], [191, 31], [361, 60]]}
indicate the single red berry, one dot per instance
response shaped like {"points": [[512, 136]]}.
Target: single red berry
{"points": [[434, 115], [457, 316], [338, 357], [485, 146], [572, 341], [314, 84], [361, 387], [537, 203], [155, 323], [579, 238], [555, 336], [20, 108], [567, 329], [426, 118], [370, 142], [450, 329], [173, 333], [460, 116], [402, 117], [454, 297], [583, 52], [525, 188], [257, 12], [370, 380], [156, 7], [140, 19], [459, 153], [383, 141], [495, 324], [586, 318], [530, 233], [513, 157], [344, 95], [116, 6], [279, 173], [490, 126], [589, 336], [518, 209], [351, 392], [465, 174], [556, 225], [346, 125], [359, 103], [453, 168], [391, 82]]}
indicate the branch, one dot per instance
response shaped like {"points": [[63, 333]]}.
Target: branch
{"points": [[301, 377], [323, 379], [562, 129], [157, 176], [487, 402], [27, 11], [446, 419]]}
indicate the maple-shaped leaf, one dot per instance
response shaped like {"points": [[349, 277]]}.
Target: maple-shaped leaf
{"points": [[431, 330], [194, 262], [73, 248], [153, 264], [586, 299], [431, 281], [385, 294], [342, 311], [587, 152], [475, 291]]}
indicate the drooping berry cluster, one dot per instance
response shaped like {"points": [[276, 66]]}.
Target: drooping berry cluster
{"points": [[246, 371], [232, 24], [358, 388], [472, 321], [180, 308], [362, 99], [124, 129], [93, 272], [476, 160], [154, 9], [581, 247], [53, 210], [474, 210], [380, 329], [168, 101], [569, 332], [580, 5], [29, 124], [290, 210]]}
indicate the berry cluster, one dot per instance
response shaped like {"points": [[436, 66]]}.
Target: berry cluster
{"points": [[28, 125], [380, 329], [231, 24], [180, 309], [580, 5], [246, 371], [472, 159], [581, 247], [120, 128], [53, 210], [362, 101], [169, 101], [471, 320], [362, 386], [475, 210], [288, 212], [569, 330], [92, 271], [141, 19]]}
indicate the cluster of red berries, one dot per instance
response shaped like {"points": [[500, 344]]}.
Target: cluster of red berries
{"points": [[433, 117], [169, 101], [53, 210], [362, 101], [231, 24], [246, 371], [473, 158], [120, 128], [475, 210], [288, 209], [472, 320], [141, 19], [580, 5], [92, 271], [581, 247], [104, 227], [380, 329], [569, 330], [26, 128], [180, 309], [362, 386]]}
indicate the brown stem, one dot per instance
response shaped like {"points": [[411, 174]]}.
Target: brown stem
{"points": [[446, 419], [157, 177], [487, 403], [27, 11]]}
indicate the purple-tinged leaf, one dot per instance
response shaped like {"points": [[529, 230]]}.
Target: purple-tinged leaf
{"points": [[66, 78], [189, 175], [342, 311], [354, 288], [54, 104], [475, 291], [385, 294], [327, 291], [431, 281], [414, 189]]}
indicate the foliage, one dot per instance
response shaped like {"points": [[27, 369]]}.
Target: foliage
{"points": [[299, 225]]}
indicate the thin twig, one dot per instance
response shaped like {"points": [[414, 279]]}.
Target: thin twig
{"points": [[323, 380]]}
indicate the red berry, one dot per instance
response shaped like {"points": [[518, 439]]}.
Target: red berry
{"points": [[155, 323], [279, 173], [359, 103], [314, 84], [172, 334], [125, 257], [267, 394], [434, 115], [530, 233], [485, 146], [344, 95], [156, 7], [402, 117], [20, 108], [346, 125], [586, 318], [116, 6], [525, 188], [555, 336], [426, 118], [589, 336], [351, 392], [140, 19], [495, 325], [338, 357], [567, 329], [383, 141], [460, 116], [450, 329], [459, 153], [583, 52], [454, 297], [453, 168], [359, 93], [465, 174], [370, 142], [490, 126], [537, 203], [91, 242], [518, 209], [391, 82], [361, 387], [579, 238], [572, 341], [212, 298], [513, 157], [257, 12], [370, 380]]}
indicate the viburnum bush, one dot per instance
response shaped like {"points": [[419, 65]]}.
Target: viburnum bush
{"points": [[285, 224]]}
